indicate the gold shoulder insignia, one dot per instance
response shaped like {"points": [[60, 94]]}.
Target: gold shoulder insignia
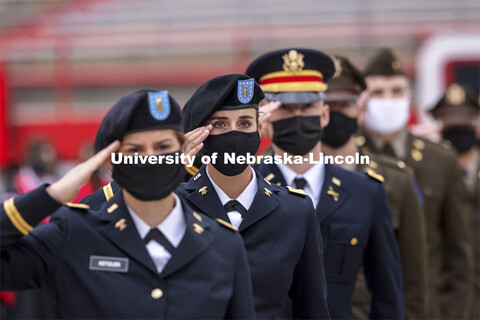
{"points": [[226, 224], [375, 175], [298, 192], [112, 208], [192, 170], [447, 144], [197, 216], [419, 144], [78, 205], [108, 191]]}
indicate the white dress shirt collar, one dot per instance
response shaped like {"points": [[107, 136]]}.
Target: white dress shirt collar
{"points": [[173, 227], [314, 177], [245, 198]]}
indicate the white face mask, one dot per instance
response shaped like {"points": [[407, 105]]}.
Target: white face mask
{"points": [[387, 115]]}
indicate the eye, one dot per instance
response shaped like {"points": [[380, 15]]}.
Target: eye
{"points": [[219, 124], [132, 150], [244, 124], [163, 147]]}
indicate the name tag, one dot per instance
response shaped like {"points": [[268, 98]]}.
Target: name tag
{"points": [[112, 264]]}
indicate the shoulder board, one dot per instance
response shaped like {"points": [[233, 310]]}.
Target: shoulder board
{"points": [[389, 162], [108, 191], [226, 224], [78, 205], [192, 170], [375, 175], [298, 192]]}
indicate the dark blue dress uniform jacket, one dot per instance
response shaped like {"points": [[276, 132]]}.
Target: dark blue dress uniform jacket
{"points": [[283, 245], [205, 278], [357, 231]]}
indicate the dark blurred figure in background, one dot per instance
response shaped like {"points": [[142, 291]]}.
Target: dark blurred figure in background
{"points": [[97, 180], [439, 177], [459, 111], [342, 96], [40, 167]]}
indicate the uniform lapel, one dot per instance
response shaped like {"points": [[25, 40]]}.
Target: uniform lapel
{"points": [[272, 174], [334, 194], [265, 201], [120, 229], [197, 239], [202, 194]]}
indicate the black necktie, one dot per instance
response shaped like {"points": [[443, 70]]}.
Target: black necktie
{"points": [[300, 183], [388, 150], [234, 205], [155, 234]]}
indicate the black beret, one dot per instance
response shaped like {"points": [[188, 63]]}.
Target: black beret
{"points": [[145, 109], [383, 63], [293, 75], [459, 106], [227, 92], [347, 82]]}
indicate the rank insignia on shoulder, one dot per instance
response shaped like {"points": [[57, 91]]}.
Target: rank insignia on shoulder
{"points": [[112, 208], [78, 205], [336, 181], [298, 192], [375, 175], [197, 176], [269, 177], [226, 224]]}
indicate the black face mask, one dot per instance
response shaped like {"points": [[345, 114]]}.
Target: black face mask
{"points": [[339, 130], [461, 139], [297, 135], [149, 182], [236, 142]]}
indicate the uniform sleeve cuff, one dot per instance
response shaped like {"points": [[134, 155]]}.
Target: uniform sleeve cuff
{"points": [[27, 210]]}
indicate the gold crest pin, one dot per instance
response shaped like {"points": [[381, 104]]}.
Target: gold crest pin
{"points": [[332, 193], [197, 228], [203, 190], [121, 224], [293, 61]]}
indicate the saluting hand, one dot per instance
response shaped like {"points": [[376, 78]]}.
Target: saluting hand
{"points": [[266, 110], [194, 140], [67, 188]]}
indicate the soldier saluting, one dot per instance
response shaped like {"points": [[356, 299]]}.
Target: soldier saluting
{"points": [[143, 253], [278, 224]]}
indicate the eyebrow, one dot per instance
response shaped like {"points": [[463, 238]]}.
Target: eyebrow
{"points": [[245, 117], [219, 118], [139, 145]]}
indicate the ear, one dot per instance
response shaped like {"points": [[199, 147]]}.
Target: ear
{"points": [[325, 116], [361, 105], [260, 126]]}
